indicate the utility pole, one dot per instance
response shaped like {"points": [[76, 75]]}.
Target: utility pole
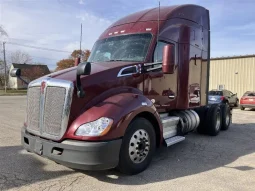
{"points": [[5, 70], [80, 41], [80, 36]]}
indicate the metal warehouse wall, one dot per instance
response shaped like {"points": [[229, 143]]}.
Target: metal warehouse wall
{"points": [[237, 74]]}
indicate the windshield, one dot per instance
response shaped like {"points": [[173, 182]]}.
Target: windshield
{"points": [[216, 93], [121, 48], [252, 94]]}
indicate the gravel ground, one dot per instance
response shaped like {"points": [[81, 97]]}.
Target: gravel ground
{"points": [[225, 162]]}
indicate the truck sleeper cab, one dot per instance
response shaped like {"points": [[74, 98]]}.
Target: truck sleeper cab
{"points": [[140, 89]]}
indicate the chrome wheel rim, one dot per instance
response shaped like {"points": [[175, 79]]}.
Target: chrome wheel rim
{"points": [[139, 146], [217, 121]]}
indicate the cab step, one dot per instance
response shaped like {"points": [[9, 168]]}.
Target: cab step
{"points": [[173, 140]]}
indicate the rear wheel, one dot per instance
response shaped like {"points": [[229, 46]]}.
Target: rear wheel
{"points": [[201, 129], [138, 147], [242, 108], [213, 120], [225, 117]]}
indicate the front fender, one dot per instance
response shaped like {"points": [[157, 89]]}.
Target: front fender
{"points": [[122, 108]]}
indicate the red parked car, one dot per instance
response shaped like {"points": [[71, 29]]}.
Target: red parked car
{"points": [[247, 100]]}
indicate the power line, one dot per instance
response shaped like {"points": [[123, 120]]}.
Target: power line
{"points": [[37, 47], [9, 53], [44, 58]]}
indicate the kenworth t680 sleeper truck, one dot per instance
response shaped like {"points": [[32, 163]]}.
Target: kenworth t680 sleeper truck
{"points": [[144, 86]]}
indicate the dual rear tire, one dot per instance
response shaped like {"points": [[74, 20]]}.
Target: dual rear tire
{"points": [[213, 119], [226, 117]]}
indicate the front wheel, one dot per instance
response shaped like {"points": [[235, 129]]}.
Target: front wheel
{"points": [[138, 147], [242, 108]]}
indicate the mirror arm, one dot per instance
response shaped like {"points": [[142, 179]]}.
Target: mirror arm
{"points": [[82, 69], [23, 80], [80, 91]]}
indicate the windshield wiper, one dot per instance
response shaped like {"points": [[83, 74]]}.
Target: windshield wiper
{"points": [[116, 60]]}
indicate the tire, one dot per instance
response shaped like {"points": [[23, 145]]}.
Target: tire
{"points": [[201, 129], [213, 120], [242, 108], [130, 162], [225, 117]]}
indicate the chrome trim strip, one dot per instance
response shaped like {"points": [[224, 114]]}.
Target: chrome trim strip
{"points": [[150, 64], [121, 75], [42, 102], [155, 68]]}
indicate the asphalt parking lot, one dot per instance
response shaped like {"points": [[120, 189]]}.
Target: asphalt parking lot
{"points": [[225, 162]]}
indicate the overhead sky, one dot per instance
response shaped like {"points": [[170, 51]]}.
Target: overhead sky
{"points": [[55, 24]]}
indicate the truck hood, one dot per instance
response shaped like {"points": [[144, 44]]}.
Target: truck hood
{"points": [[70, 73], [103, 81]]}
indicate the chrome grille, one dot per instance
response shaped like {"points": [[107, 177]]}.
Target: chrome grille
{"points": [[33, 108], [53, 110], [48, 108]]}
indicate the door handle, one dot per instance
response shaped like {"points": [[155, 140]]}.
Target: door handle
{"points": [[171, 96]]}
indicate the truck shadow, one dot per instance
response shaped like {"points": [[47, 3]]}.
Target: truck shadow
{"points": [[197, 154], [18, 168]]}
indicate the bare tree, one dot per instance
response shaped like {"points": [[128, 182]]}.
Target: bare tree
{"points": [[1, 65], [3, 68], [19, 57], [3, 33], [1, 73]]}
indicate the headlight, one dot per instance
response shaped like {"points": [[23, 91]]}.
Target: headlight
{"points": [[95, 128]]}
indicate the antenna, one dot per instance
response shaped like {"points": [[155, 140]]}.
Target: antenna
{"points": [[80, 40], [78, 60], [158, 28], [158, 19]]}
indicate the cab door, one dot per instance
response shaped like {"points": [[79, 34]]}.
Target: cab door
{"points": [[160, 88]]}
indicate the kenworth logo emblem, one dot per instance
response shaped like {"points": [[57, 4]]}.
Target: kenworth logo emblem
{"points": [[43, 87]]}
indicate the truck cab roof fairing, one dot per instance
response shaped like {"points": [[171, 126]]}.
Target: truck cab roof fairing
{"points": [[191, 12], [147, 20]]}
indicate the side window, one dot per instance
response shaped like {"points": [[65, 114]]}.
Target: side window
{"points": [[230, 93], [158, 54]]}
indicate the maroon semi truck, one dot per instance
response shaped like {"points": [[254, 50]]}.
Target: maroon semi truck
{"points": [[144, 86]]}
